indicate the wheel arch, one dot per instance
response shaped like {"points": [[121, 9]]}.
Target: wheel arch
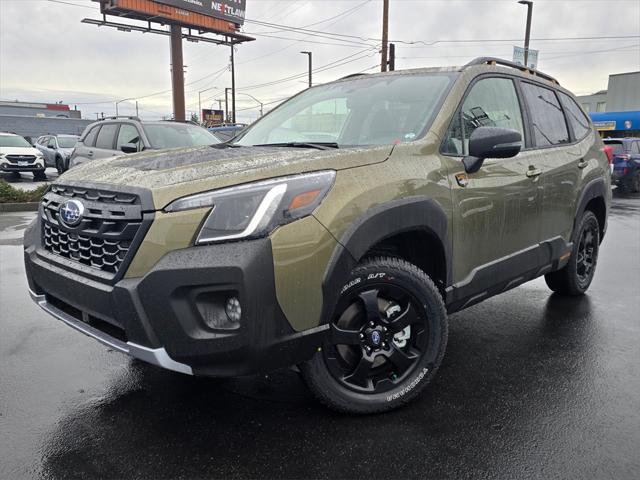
{"points": [[593, 199], [392, 229]]}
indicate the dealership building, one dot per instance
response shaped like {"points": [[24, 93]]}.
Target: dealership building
{"points": [[32, 119], [616, 111]]}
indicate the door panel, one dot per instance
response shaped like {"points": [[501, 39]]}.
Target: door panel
{"points": [[496, 210]]}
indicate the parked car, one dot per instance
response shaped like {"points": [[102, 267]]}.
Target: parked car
{"points": [[626, 162], [17, 155], [225, 133], [335, 233], [57, 150], [114, 136]]}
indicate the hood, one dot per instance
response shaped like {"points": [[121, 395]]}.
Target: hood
{"points": [[170, 174], [66, 151], [20, 151]]}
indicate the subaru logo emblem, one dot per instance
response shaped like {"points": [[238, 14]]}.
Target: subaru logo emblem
{"points": [[375, 337], [71, 212]]}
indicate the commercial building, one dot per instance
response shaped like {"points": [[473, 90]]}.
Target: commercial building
{"points": [[32, 119], [616, 111]]}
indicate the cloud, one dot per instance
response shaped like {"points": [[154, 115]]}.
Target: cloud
{"points": [[46, 54]]}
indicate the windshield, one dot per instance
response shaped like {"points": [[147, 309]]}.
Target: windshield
{"points": [[363, 111], [67, 142], [13, 141], [174, 135], [616, 147]]}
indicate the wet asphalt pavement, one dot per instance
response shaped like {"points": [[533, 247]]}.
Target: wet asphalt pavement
{"points": [[532, 386]]}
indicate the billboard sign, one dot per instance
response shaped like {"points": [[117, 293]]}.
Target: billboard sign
{"points": [[212, 118], [518, 57], [228, 10]]}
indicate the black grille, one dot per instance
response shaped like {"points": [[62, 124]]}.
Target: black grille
{"points": [[20, 158], [106, 234]]}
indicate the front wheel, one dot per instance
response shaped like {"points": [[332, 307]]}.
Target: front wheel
{"points": [[39, 175], [60, 165], [385, 342], [576, 276]]}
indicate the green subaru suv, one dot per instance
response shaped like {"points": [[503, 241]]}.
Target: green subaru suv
{"points": [[335, 234]]}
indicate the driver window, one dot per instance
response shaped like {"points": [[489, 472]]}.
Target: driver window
{"points": [[52, 143], [128, 134], [492, 102]]}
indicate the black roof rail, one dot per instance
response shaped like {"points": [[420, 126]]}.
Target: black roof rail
{"points": [[115, 117], [507, 63]]}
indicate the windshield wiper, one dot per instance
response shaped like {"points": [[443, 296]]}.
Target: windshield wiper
{"points": [[318, 145]]}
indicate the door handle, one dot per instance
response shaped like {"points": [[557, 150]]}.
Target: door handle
{"points": [[90, 153], [533, 172], [583, 163]]}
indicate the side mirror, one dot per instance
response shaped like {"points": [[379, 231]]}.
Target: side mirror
{"points": [[491, 142], [129, 148]]}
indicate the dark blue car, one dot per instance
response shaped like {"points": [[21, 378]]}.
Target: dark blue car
{"points": [[626, 163]]}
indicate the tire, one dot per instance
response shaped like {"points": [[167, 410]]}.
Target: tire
{"points": [[60, 165], [576, 276], [359, 371], [39, 175]]}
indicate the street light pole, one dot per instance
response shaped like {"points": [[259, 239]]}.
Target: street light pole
{"points": [[527, 34], [120, 101], [254, 98], [310, 54], [385, 35]]}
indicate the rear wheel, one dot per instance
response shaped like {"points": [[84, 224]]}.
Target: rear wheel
{"points": [[386, 340], [576, 276]]}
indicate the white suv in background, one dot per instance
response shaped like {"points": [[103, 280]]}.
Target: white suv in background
{"points": [[17, 155]]}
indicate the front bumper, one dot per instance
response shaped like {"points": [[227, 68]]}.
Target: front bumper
{"points": [[14, 167], [160, 318]]}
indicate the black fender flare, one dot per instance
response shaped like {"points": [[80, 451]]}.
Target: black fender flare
{"points": [[375, 225], [594, 189]]}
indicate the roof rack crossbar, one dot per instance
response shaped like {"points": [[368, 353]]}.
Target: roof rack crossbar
{"points": [[506, 63]]}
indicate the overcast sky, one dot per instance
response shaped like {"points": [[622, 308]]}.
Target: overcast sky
{"points": [[47, 55]]}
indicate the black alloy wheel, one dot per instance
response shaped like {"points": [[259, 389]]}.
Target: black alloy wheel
{"points": [[377, 340], [384, 342], [587, 253]]}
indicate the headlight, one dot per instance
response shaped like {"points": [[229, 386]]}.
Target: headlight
{"points": [[255, 209]]}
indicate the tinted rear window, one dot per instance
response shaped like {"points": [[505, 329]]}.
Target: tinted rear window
{"points": [[90, 138], [549, 124], [107, 136]]}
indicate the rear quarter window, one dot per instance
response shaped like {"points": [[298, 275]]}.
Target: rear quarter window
{"points": [[575, 116], [547, 118]]}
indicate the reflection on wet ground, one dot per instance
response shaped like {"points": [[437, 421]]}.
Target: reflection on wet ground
{"points": [[533, 386]]}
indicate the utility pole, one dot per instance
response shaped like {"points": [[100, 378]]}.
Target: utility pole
{"points": [[233, 87], [177, 73], [219, 103], [385, 34], [392, 57], [226, 104], [310, 55], [137, 115], [527, 34]]}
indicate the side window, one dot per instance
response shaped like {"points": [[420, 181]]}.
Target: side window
{"points": [[491, 102], [577, 119], [107, 136], [636, 147], [90, 139], [547, 119], [43, 140], [52, 142], [128, 134]]}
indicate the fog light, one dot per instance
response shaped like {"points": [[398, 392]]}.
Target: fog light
{"points": [[233, 309]]}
